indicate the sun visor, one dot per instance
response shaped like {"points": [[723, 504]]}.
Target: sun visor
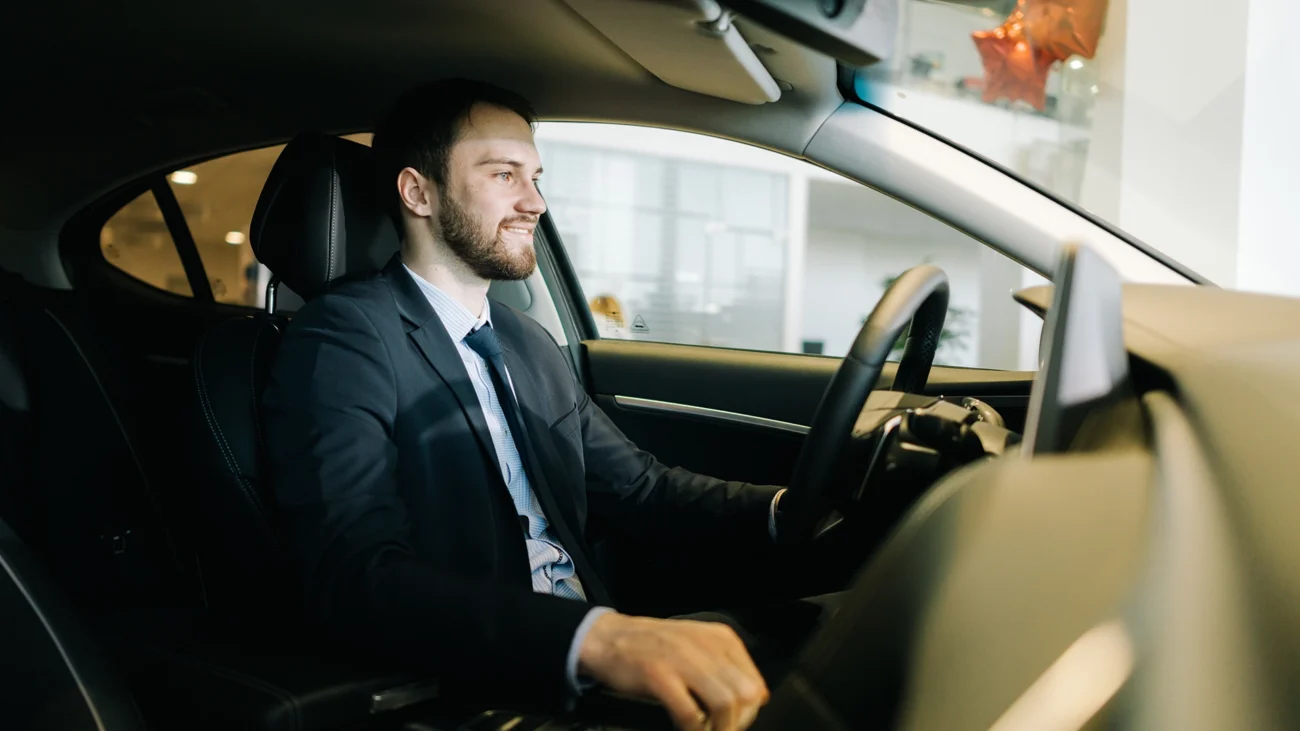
{"points": [[689, 44]]}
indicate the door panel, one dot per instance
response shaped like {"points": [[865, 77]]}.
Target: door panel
{"points": [[737, 415], [644, 387]]}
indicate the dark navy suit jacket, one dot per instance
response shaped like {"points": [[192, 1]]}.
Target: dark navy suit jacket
{"points": [[395, 508]]}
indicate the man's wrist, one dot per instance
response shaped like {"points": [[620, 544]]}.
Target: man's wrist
{"points": [[576, 684]]}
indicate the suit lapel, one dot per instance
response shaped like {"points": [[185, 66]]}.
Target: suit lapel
{"points": [[429, 336]]}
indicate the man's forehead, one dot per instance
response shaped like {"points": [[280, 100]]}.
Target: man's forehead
{"points": [[489, 123], [495, 136]]}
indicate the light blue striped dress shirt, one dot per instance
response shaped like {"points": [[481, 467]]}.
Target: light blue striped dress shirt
{"points": [[551, 566]]}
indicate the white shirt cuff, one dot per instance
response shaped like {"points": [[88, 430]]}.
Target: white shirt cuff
{"points": [[771, 514], [571, 665]]}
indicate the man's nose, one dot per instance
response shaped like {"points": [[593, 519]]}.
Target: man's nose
{"points": [[532, 203]]}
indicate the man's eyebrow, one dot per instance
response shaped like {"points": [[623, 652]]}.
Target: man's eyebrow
{"points": [[505, 161]]}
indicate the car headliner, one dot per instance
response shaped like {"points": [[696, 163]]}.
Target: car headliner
{"points": [[102, 93]]}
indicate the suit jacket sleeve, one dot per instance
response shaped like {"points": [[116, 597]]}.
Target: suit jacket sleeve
{"points": [[640, 494], [330, 410]]}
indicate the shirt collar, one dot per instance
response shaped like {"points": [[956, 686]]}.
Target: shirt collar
{"points": [[458, 320]]}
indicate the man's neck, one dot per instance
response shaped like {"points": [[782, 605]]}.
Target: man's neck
{"points": [[437, 265]]}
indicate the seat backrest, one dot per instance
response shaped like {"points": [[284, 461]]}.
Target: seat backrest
{"points": [[315, 223], [71, 483]]}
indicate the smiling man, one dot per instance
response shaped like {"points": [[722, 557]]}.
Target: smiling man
{"points": [[436, 460]]}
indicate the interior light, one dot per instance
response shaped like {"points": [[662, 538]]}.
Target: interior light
{"points": [[235, 238], [1076, 64], [1095, 89], [184, 177]]}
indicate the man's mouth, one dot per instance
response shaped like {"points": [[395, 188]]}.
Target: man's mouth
{"points": [[521, 230]]}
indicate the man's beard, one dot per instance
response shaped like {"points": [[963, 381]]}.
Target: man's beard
{"points": [[484, 253]]}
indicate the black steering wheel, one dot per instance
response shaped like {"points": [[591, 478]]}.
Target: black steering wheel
{"points": [[918, 296]]}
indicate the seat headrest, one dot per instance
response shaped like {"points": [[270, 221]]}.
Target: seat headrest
{"points": [[319, 217]]}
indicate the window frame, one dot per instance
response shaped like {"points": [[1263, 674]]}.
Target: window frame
{"points": [[81, 256]]}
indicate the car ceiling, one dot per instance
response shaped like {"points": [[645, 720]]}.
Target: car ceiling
{"points": [[100, 93]]}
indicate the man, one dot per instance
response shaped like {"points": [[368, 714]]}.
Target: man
{"points": [[436, 460]]}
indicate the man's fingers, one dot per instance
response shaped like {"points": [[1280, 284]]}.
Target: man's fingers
{"points": [[724, 690], [700, 671], [670, 689], [734, 649], [743, 674]]}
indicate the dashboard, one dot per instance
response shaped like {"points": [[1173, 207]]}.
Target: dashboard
{"points": [[1135, 566]]}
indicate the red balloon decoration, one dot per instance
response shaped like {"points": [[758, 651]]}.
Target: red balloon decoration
{"points": [[1064, 28], [1013, 68], [1019, 54]]}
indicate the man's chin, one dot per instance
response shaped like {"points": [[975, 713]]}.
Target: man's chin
{"points": [[508, 271]]}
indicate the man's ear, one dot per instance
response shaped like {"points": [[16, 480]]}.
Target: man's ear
{"points": [[418, 193]]}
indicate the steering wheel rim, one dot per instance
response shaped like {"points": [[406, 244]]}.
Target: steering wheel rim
{"points": [[918, 296]]}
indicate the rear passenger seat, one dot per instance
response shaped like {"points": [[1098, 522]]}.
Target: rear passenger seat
{"points": [[71, 482], [73, 489]]}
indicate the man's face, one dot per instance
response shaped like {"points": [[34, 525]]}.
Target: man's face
{"points": [[489, 205]]}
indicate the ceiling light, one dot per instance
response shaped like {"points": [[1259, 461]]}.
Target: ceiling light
{"points": [[1076, 64], [184, 177], [235, 238], [1095, 89]]}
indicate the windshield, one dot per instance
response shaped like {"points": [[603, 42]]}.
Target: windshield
{"points": [[1170, 120]]}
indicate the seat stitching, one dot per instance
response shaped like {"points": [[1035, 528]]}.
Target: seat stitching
{"points": [[214, 426], [334, 204], [257, 415]]}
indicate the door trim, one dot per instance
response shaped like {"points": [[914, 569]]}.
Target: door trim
{"points": [[667, 407]]}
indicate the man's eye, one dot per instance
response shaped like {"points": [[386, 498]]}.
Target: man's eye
{"points": [[504, 176]]}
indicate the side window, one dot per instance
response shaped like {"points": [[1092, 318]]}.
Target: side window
{"points": [[136, 240], [216, 198], [688, 239]]}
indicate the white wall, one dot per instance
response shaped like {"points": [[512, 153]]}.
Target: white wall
{"points": [[1195, 148], [857, 237], [1181, 128], [1268, 233]]}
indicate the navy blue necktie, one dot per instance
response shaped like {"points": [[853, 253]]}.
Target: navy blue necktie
{"points": [[485, 342]]}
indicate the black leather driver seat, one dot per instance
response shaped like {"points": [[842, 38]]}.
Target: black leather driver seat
{"points": [[243, 664], [316, 221]]}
